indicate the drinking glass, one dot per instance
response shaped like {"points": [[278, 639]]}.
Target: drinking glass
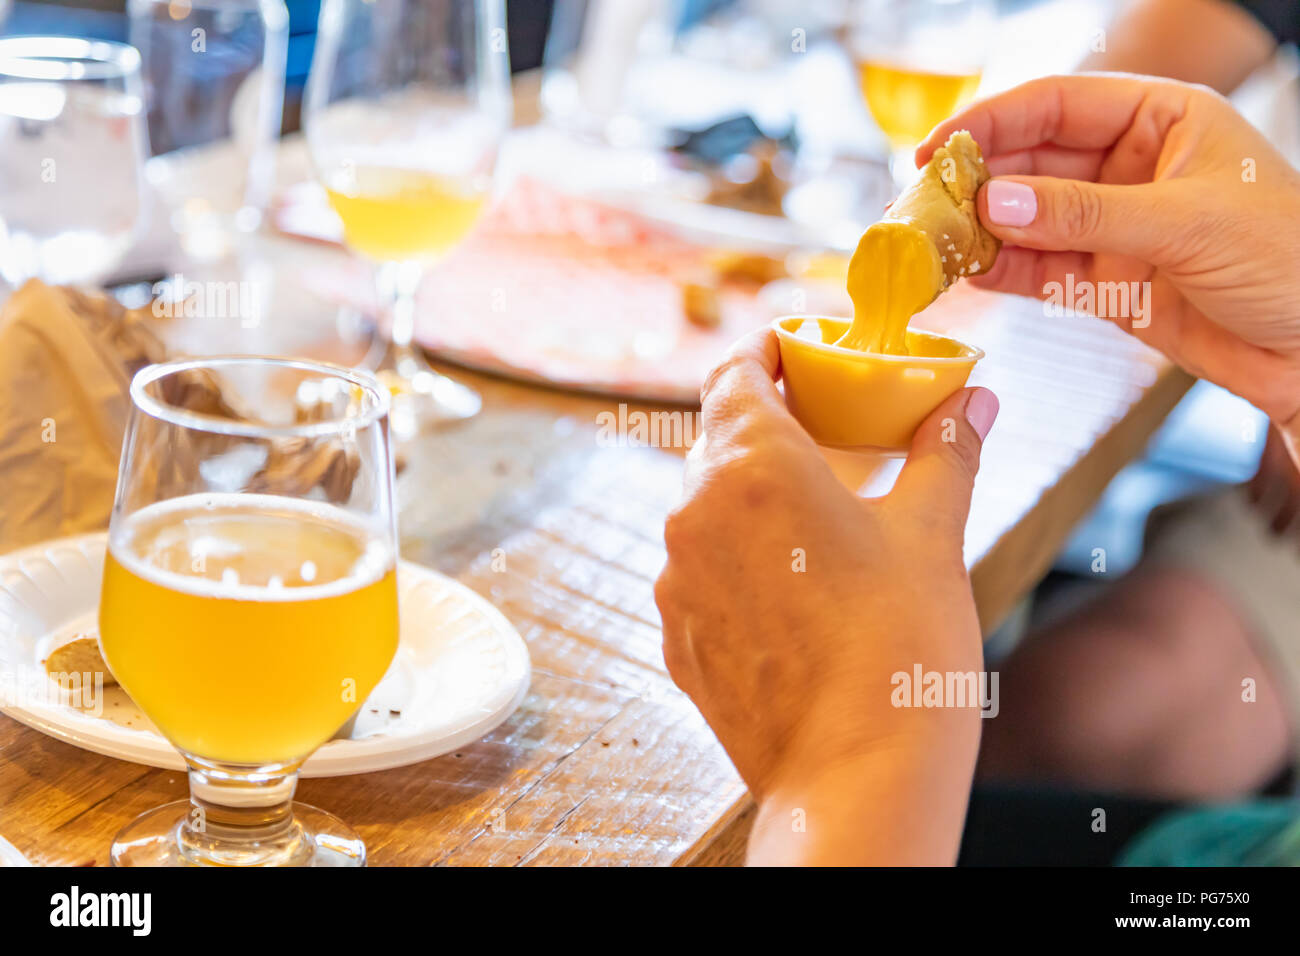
{"points": [[917, 61], [72, 142], [249, 602], [406, 105], [214, 94], [593, 49]]}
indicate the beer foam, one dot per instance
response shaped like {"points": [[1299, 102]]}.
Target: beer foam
{"points": [[376, 556]]}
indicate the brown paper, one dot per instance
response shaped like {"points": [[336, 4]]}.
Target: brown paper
{"points": [[66, 363]]}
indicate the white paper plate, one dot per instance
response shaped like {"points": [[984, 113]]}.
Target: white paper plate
{"points": [[460, 670]]}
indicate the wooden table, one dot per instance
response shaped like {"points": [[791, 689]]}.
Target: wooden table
{"points": [[606, 762]]}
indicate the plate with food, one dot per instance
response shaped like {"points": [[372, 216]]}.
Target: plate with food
{"points": [[461, 668], [570, 291]]}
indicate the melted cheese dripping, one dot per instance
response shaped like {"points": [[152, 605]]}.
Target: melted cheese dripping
{"points": [[895, 273]]}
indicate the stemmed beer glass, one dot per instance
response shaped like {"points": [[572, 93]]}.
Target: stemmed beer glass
{"points": [[249, 602], [405, 107], [918, 62]]}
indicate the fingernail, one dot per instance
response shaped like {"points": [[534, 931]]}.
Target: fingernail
{"points": [[1011, 204], [981, 410]]}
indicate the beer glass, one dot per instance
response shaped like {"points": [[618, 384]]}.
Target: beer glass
{"points": [[918, 62], [214, 91], [249, 602], [406, 105]]}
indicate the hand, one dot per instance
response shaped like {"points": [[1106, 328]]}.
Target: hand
{"points": [[1275, 489], [1114, 178], [788, 603]]}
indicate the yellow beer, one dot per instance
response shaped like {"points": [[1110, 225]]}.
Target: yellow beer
{"points": [[907, 103], [248, 628], [398, 215]]}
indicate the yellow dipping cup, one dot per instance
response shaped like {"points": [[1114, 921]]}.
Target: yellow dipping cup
{"points": [[851, 399]]}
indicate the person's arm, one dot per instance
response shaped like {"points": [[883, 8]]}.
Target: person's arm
{"points": [[1217, 43], [895, 807], [791, 606]]}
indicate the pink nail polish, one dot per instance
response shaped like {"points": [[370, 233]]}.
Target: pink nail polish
{"points": [[1011, 204], [981, 411]]}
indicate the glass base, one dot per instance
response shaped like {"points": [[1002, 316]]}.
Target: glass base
{"points": [[161, 837], [423, 398]]}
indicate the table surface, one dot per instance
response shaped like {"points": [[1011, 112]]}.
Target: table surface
{"points": [[606, 762]]}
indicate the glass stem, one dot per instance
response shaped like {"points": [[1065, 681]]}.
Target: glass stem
{"points": [[421, 395], [241, 816], [398, 282], [902, 168]]}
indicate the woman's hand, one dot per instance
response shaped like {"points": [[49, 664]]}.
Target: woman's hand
{"points": [[1116, 178], [789, 603]]}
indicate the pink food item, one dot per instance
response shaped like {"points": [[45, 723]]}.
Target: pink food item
{"points": [[560, 289]]}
